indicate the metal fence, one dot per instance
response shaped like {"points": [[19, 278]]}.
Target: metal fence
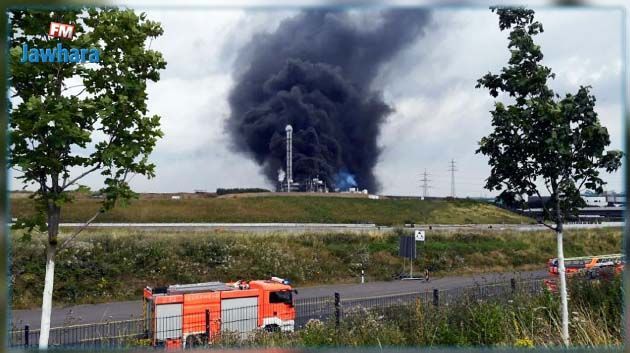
{"points": [[115, 333], [319, 308], [497, 291], [244, 321]]}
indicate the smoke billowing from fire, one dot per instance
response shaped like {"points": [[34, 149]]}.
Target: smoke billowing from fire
{"points": [[315, 73]]}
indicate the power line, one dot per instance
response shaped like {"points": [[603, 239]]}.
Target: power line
{"points": [[452, 169], [425, 183]]}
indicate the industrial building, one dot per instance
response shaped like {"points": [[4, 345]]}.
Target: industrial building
{"points": [[307, 185], [606, 199], [608, 206], [613, 198], [286, 182]]}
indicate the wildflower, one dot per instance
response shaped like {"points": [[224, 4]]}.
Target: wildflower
{"points": [[524, 342]]}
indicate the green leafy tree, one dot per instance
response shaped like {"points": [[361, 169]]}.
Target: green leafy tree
{"points": [[69, 120], [541, 140]]}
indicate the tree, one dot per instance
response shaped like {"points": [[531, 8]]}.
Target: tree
{"points": [[541, 138], [69, 120]]}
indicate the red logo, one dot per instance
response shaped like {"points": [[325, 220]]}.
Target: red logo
{"points": [[61, 30]]}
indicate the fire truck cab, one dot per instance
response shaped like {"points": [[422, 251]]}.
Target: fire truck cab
{"points": [[183, 315]]}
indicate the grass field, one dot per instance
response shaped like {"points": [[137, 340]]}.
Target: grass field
{"points": [[286, 209], [521, 320], [115, 264]]}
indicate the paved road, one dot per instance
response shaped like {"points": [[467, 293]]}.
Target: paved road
{"points": [[133, 309], [326, 227]]}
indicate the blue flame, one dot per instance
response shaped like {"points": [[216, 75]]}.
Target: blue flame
{"points": [[345, 180]]}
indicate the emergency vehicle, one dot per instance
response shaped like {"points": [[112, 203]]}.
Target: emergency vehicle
{"points": [[590, 267], [588, 264], [184, 315]]}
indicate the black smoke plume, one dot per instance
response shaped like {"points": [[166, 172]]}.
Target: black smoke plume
{"points": [[315, 72]]}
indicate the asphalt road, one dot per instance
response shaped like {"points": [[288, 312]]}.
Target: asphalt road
{"points": [[298, 228], [90, 313]]}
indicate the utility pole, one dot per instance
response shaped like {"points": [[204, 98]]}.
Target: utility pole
{"points": [[425, 184], [452, 169]]}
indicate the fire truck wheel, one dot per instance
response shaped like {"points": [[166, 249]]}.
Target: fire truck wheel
{"points": [[195, 340], [272, 328]]}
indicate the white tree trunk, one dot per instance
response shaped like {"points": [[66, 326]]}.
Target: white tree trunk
{"points": [[47, 296], [564, 309]]}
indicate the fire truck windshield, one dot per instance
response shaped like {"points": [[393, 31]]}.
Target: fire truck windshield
{"points": [[284, 296]]}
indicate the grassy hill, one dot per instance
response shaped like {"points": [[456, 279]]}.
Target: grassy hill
{"points": [[87, 272], [302, 209]]}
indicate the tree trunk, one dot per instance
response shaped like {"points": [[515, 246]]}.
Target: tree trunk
{"points": [[47, 297], [51, 249], [564, 309], [564, 306]]}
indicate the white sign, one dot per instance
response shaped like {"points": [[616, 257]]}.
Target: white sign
{"points": [[419, 234]]}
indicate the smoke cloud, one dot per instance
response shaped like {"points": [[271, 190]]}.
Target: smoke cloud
{"points": [[315, 72]]}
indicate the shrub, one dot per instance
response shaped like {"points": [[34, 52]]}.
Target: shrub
{"points": [[221, 191], [88, 271]]}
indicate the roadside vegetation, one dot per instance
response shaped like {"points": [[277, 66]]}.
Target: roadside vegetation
{"points": [[106, 265], [269, 209], [522, 321], [230, 191]]}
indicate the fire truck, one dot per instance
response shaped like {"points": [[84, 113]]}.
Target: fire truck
{"points": [[185, 315], [589, 267]]}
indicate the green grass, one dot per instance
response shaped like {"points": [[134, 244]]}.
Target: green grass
{"points": [[311, 209], [522, 320], [115, 264]]}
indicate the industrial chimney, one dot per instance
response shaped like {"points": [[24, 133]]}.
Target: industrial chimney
{"points": [[289, 176]]}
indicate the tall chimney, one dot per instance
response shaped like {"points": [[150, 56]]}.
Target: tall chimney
{"points": [[289, 131]]}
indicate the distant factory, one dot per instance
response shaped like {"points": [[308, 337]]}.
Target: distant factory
{"points": [[286, 182], [608, 206], [606, 199], [285, 178]]}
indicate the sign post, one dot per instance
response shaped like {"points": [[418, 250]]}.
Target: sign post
{"points": [[419, 235], [408, 249]]}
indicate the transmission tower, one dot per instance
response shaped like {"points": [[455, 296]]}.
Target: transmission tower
{"points": [[452, 169], [425, 184]]}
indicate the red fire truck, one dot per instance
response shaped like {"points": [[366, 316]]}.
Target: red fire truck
{"points": [[184, 315], [589, 267], [588, 264]]}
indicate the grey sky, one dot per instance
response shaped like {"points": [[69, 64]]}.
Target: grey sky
{"points": [[439, 113]]}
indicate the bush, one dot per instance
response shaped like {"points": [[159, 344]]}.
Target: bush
{"points": [[221, 191], [88, 272], [523, 320]]}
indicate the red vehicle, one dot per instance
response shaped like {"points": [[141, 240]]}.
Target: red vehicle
{"points": [[588, 264], [590, 267], [184, 315]]}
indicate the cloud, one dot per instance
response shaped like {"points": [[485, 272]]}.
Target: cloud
{"points": [[191, 120], [438, 115]]}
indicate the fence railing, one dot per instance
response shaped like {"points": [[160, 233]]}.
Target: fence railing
{"points": [[114, 333], [202, 327]]}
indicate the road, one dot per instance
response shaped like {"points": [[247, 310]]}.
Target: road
{"points": [[115, 311], [327, 227]]}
